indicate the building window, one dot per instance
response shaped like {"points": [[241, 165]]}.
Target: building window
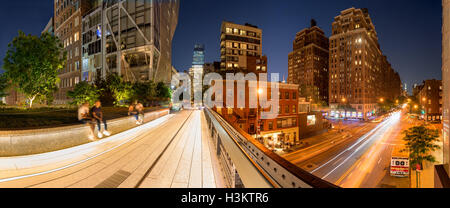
{"points": [[287, 110], [271, 125], [77, 65], [294, 109]]}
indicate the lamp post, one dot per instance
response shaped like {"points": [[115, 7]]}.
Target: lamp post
{"points": [[258, 126]]}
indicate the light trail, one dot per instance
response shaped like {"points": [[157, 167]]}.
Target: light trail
{"points": [[348, 149], [395, 118], [70, 153]]}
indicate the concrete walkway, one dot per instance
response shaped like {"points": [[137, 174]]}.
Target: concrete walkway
{"points": [[173, 151]]}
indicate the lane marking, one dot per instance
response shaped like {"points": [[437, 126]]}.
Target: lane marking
{"points": [[359, 141], [366, 142]]}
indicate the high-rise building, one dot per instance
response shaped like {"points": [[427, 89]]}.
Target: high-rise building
{"points": [[308, 64], [50, 27], [92, 50], [241, 49], [357, 66], [137, 38], [67, 27], [196, 73], [442, 172]]}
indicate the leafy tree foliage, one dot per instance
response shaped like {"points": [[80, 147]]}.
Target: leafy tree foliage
{"points": [[122, 91], [4, 84], [420, 143], [144, 92], [32, 64], [164, 92], [84, 92], [115, 90]]}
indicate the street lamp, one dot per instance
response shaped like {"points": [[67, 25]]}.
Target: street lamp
{"points": [[381, 100], [260, 91]]}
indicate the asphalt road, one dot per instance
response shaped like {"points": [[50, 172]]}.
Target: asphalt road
{"points": [[361, 160]]}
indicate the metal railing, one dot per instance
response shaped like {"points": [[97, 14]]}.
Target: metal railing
{"points": [[248, 163]]}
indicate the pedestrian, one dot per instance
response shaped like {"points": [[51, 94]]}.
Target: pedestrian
{"points": [[140, 111], [98, 116], [85, 118], [133, 110]]}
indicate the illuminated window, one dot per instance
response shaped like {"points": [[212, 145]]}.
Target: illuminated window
{"points": [[76, 37], [311, 120]]}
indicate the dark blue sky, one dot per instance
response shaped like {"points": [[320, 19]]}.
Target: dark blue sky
{"points": [[409, 30]]}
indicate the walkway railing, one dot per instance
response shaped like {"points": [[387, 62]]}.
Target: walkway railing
{"points": [[248, 163]]}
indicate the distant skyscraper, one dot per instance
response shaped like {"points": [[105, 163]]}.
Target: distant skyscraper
{"points": [[308, 63], [196, 73], [199, 56]]}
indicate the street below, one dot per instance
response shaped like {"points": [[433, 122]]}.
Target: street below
{"points": [[360, 156]]}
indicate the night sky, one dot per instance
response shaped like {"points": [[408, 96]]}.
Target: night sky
{"points": [[409, 30]]}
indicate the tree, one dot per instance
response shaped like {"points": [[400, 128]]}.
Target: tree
{"points": [[164, 92], [84, 92], [106, 95], [121, 90], [144, 91], [32, 64], [4, 84], [420, 144]]}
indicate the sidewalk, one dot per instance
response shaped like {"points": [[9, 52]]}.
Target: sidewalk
{"points": [[426, 179]]}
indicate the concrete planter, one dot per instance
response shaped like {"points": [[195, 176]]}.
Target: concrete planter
{"points": [[29, 142]]}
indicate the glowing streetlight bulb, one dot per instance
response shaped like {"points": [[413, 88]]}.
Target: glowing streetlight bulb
{"points": [[260, 91]]}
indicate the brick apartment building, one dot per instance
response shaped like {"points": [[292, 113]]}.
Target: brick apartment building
{"points": [[430, 99], [68, 28], [241, 49], [359, 74], [274, 133], [308, 63]]}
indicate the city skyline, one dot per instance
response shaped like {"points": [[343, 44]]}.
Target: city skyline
{"points": [[334, 114], [192, 29]]}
